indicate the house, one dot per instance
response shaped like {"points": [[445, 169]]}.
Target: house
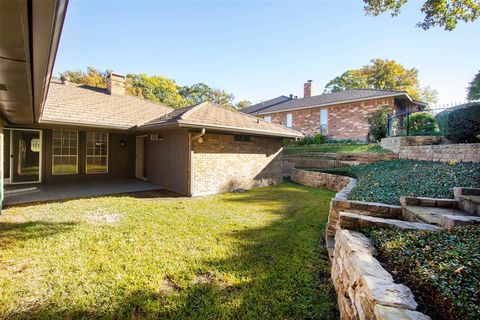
{"points": [[88, 134], [338, 115]]}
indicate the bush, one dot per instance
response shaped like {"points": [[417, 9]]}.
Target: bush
{"points": [[316, 139], [463, 124], [378, 124], [421, 122], [441, 267]]}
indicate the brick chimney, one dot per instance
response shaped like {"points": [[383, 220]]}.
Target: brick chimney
{"points": [[115, 83], [308, 89]]}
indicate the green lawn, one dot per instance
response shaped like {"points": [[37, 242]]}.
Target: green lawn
{"points": [[335, 148], [253, 255]]}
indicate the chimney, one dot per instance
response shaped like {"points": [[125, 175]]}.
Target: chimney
{"points": [[308, 89], [291, 96], [65, 80], [115, 83]]}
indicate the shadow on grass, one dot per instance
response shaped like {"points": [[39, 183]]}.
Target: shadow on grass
{"points": [[281, 271], [17, 232]]}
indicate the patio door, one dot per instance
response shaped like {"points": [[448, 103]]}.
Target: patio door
{"points": [[140, 168], [25, 150]]}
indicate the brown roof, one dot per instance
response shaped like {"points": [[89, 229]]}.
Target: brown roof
{"points": [[211, 116], [90, 106]]}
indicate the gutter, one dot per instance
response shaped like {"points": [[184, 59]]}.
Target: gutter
{"points": [[80, 124], [198, 135]]}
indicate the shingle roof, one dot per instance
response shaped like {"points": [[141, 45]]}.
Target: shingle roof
{"points": [[265, 104], [90, 106], [211, 116], [327, 99]]}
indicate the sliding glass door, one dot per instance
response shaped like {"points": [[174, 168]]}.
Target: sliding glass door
{"points": [[25, 155]]}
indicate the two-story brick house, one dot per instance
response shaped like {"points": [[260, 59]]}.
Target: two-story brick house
{"points": [[338, 115]]}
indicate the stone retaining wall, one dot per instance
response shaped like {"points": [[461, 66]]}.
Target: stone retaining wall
{"points": [[427, 148], [365, 290], [290, 163], [320, 179]]}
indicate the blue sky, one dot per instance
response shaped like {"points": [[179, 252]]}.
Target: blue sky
{"points": [[262, 49]]}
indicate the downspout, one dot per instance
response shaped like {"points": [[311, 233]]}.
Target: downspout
{"points": [[198, 135]]}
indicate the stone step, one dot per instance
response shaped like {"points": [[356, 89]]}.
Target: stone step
{"points": [[470, 204], [353, 221], [445, 217], [449, 221]]}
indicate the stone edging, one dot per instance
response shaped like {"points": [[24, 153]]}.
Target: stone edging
{"points": [[365, 290]]}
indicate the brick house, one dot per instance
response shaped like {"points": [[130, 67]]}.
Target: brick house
{"points": [[338, 115]]}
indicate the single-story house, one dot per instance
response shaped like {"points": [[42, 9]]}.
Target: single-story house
{"points": [[337, 115], [89, 133]]}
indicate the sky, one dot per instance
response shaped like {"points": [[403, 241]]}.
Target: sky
{"points": [[258, 50]]}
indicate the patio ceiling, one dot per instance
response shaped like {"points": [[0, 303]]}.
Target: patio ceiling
{"points": [[30, 35]]}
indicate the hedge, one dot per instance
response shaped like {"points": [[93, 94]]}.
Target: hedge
{"points": [[462, 123]]}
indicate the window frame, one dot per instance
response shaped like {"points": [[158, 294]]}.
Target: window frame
{"points": [[61, 155], [320, 121], [98, 156], [269, 118], [291, 120]]}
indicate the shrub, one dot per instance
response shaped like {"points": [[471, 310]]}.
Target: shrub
{"points": [[463, 124], [378, 124], [441, 267], [316, 139], [420, 122]]}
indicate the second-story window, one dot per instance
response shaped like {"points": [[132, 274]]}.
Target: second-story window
{"points": [[289, 120]]}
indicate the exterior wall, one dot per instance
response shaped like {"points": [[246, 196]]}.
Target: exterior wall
{"points": [[167, 161], [121, 160], [345, 121], [2, 157], [221, 164]]}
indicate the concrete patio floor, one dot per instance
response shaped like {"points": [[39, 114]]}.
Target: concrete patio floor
{"points": [[37, 193]]}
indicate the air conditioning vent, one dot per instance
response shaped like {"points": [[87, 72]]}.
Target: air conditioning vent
{"points": [[3, 87]]}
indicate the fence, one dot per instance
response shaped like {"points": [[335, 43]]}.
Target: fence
{"points": [[420, 123]]}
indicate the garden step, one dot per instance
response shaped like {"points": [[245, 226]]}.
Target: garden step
{"points": [[470, 204], [450, 221], [355, 221], [432, 215]]}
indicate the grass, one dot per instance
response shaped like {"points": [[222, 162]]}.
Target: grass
{"points": [[335, 148], [387, 181], [441, 267], [253, 255]]}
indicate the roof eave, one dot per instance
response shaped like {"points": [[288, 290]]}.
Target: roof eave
{"points": [[82, 124]]}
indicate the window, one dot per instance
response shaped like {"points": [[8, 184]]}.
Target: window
{"points": [[267, 118], [289, 120], [243, 138], [323, 121], [64, 152], [97, 152]]}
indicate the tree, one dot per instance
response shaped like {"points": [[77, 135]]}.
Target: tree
{"points": [[201, 92], [243, 104], [93, 77], [438, 13], [384, 75], [474, 88], [155, 88]]}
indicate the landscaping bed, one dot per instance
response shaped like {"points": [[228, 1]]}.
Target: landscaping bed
{"points": [[387, 181], [252, 255], [441, 267]]}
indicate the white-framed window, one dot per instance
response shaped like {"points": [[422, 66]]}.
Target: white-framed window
{"points": [[97, 152], [267, 118], [323, 121], [64, 152], [289, 120]]}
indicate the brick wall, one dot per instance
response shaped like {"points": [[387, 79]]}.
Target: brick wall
{"points": [[221, 164], [345, 121]]}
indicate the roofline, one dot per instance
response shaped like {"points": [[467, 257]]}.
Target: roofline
{"points": [[264, 107], [341, 102], [195, 125], [83, 124]]}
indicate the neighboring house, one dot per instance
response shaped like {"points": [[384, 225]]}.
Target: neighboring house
{"points": [[87, 133], [338, 115]]}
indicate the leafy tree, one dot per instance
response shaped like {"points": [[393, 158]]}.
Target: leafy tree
{"points": [[201, 92], [243, 104], [93, 77], [155, 88], [385, 75], [474, 88], [438, 13]]}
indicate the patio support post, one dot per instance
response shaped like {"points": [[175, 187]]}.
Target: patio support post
{"points": [[2, 156]]}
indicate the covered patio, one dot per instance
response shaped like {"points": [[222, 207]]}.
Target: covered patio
{"points": [[37, 193]]}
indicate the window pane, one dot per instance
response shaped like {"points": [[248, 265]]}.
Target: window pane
{"points": [[323, 120], [289, 120], [64, 151], [97, 152], [267, 118]]}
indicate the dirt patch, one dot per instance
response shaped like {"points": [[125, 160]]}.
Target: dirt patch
{"points": [[168, 286], [103, 218], [205, 278]]}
